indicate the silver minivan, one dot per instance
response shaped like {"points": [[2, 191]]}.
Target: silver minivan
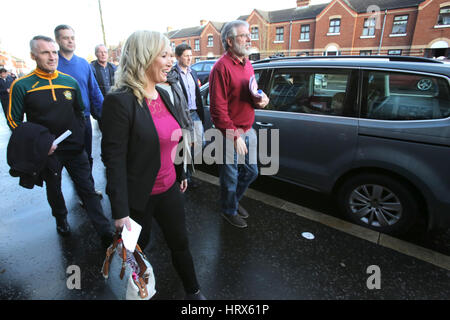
{"points": [[372, 131]]}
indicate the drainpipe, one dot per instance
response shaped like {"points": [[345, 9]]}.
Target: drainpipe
{"points": [[382, 32], [290, 38]]}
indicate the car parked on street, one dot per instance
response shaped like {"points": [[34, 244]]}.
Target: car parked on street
{"points": [[203, 68], [372, 131]]}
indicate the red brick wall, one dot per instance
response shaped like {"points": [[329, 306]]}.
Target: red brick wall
{"points": [[367, 43], [427, 18], [389, 41], [420, 32], [216, 50], [255, 20], [273, 45], [347, 30], [302, 46], [392, 42]]}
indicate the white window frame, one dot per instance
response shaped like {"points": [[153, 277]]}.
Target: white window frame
{"points": [[395, 54], [210, 41], [305, 36], [334, 26], [196, 44], [400, 22], [279, 37], [369, 28], [254, 35], [442, 25]]}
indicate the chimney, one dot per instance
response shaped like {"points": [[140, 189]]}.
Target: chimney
{"points": [[169, 29], [203, 22], [303, 3]]}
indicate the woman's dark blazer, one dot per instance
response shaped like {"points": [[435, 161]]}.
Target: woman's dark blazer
{"points": [[130, 151]]}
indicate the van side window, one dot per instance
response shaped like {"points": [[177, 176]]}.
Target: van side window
{"points": [[310, 91], [404, 96], [197, 67]]}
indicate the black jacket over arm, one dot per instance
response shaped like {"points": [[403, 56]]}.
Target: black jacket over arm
{"points": [[131, 151]]}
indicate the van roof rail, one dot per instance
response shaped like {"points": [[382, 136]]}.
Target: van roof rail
{"points": [[390, 58]]}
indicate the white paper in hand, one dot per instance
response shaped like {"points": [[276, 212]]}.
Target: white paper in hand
{"points": [[62, 137], [253, 87], [130, 238]]}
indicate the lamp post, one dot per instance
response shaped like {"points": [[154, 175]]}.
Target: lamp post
{"points": [[101, 20]]}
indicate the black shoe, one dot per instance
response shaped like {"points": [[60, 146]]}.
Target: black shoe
{"points": [[81, 203], [195, 296], [235, 220], [62, 226], [242, 212], [192, 184], [99, 193]]}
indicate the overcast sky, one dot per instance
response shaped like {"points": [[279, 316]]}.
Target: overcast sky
{"points": [[23, 19]]}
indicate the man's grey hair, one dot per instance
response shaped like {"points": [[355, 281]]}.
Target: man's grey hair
{"points": [[98, 47], [229, 31], [36, 38]]}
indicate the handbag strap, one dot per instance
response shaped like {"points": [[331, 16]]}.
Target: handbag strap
{"points": [[109, 255], [140, 283], [124, 260], [142, 279]]}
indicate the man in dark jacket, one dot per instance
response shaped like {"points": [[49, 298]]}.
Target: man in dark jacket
{"points": [[53, 100], [191, 88], [103, 70], [5, 84]]}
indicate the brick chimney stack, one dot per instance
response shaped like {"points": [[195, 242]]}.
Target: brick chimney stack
{"points": [[303, 3]]}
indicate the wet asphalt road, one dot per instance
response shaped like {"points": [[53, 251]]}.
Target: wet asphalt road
{"points": [[269, 260], [438, 241]]}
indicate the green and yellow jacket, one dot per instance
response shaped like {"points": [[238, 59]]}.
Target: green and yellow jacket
{"points": [[51, 100]]}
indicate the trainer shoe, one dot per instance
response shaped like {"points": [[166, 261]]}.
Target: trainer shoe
{"points": [[235, 220], [242, 212]]}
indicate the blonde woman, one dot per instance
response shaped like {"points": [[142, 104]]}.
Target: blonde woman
{"points": [[139, 126]]}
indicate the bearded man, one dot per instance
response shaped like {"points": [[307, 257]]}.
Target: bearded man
{"points": [[232, 112]]}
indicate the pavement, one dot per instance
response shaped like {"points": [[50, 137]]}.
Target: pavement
{"points": [[269, 260]]}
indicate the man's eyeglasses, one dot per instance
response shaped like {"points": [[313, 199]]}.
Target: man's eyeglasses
{"points": [[244, 35]]}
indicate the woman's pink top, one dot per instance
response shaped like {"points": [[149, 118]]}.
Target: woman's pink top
{"points": [[169, 133]]}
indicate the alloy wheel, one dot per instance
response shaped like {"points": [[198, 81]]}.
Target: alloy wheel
{"points": [[375, 205]]}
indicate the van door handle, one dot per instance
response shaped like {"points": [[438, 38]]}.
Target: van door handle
{"points": [[264, 124]]}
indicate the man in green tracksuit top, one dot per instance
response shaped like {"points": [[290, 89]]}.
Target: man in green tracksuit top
{"points": [[53, 100]]}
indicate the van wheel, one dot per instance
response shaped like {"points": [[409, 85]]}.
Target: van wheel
{"points": [[378, 202]]}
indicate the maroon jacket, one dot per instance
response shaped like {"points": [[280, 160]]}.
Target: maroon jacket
{"points": [[231, 104]]}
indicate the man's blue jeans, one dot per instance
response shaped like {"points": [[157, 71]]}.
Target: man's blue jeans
{"points": [[236, 177]]}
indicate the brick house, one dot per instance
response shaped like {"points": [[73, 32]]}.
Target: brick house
{"points": [[204, 39], [354, 27], [284, 31], [433, 38], [343, 27]]}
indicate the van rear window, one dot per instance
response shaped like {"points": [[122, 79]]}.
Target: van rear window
{"points": [[404, 96]]}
